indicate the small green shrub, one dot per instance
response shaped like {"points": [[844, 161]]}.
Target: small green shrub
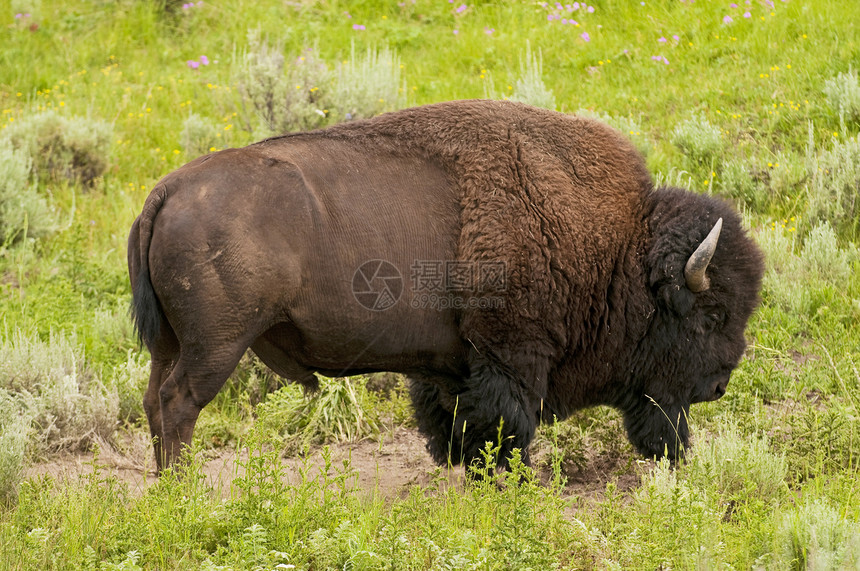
{"points": [[130, 379], [14, 434], [666, 505], [303, 93], [739, 467], [787, 174], [62, 148], [23, 212], [737, 181], [818, 261], [701, 142], [843, 94], [819, 441], [816, 536], [284, 96], [835, 186], [69, 405], [822, 257], [199, 136]]}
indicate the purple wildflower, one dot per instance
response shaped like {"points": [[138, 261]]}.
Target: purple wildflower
{"points": [[461, 8], [359, 27], [662, 40], [733, 5], [193, 64], [585, 37], [489, 31], [676, 38], [204, 60], [747, 15], [727, 19], [456, 32], [591, 9]]}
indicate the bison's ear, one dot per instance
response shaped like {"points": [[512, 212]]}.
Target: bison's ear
{"points": [[676, 298], [667, 284]]}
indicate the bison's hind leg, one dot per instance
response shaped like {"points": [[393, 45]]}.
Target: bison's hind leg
{"points": [[164, 353], [193, 383]]}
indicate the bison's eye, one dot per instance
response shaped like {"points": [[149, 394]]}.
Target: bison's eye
{"points": [[714, 319]]}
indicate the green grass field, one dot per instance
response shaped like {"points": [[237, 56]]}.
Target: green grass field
{"points": [[755, 101]]}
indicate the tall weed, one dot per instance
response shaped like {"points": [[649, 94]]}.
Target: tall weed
{"points": [[340, 411], [530, 87], [367, 84]]}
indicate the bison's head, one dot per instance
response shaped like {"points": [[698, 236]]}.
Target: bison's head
{"points": [[703, 277]]}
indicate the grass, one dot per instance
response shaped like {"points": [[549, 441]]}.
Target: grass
{"points": [[761, 110]]}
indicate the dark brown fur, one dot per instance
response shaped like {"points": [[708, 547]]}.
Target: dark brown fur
{"points": [[257, 247]]}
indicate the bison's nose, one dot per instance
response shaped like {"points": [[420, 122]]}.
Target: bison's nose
{"points": [[720, 387]]}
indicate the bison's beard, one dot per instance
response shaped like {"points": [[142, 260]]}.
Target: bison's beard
{"points": [[656, 430]]}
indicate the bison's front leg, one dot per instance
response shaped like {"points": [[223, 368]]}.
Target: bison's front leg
{"points": [[435, 421], [496, 396]]}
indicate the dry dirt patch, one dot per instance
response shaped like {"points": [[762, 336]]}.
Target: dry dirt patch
{"points": [[389, 467]]}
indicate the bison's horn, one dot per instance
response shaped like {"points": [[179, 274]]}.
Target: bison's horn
{"points": [[694, 271]]}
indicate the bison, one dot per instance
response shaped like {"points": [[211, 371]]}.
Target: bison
{"points": [[516, 264]]}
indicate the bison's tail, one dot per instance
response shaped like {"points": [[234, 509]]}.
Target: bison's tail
{"points": [[145, 308]]}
